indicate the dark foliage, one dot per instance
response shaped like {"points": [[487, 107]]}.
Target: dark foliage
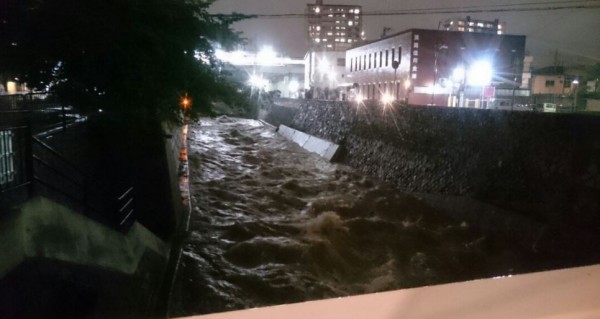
{"points": [[127, 56]]}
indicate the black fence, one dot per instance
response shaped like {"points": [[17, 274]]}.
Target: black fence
{"points": [[16, 172], [30, 167]]}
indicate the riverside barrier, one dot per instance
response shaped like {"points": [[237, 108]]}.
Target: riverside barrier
{"points": [[545, 167]]}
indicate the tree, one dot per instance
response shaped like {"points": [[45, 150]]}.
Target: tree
{"points": [[134, 57]]}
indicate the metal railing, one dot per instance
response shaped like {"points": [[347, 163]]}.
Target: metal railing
{"points": [[58, 178], [30, 167]]}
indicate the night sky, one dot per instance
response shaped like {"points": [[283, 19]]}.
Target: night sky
{"points": [[575, 33]]}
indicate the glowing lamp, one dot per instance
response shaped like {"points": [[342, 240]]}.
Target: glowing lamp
{"points": [[359, 98], [185, 102], [480, 73], [387, 98]]}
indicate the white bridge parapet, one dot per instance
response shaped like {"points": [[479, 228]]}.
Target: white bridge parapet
{"points": [[566, 294]]}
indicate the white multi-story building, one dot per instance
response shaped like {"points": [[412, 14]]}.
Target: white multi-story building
{"points": [[472, 25], [333, 27]]}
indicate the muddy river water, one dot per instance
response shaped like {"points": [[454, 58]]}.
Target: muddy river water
{"points": [[273, 224]]}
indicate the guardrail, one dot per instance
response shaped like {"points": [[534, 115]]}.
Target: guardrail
{"points": [[58, 178], [30, 167]]}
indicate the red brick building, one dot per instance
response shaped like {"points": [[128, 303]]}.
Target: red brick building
{"points": [[437, 67]]}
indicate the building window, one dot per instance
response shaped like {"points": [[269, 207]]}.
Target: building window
{"points": [[369, 60], [416, 53], [416, 45], [414, 76], [416, 37], [399, 54], [380, 58], [415, 60], [393, 54], [387, 57], [7, 156], [549, 83]]}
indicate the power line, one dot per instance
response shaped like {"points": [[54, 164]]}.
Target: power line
{"points": [[492, 6], [480, 9]]}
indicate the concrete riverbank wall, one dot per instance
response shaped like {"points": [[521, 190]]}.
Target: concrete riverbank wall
{"points": [[543, 166]]}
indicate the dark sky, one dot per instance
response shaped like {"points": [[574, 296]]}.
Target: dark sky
{"points": [[575, 33]]}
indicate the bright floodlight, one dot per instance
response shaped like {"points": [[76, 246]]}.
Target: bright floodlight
{"points": [[258, 81], [387, 98], [480, 73], [323, 66], [359, 98], [458, 75], [293, 86], [266, 56]]}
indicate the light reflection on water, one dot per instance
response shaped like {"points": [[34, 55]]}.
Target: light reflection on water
{"points": [[273, 224]]}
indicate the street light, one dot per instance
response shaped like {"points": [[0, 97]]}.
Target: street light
{"points": [[480, 73], [575, 86]]}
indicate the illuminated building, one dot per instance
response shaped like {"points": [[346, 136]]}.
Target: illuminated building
{"points": [[472, 25], [441, 68], [333, 27]]}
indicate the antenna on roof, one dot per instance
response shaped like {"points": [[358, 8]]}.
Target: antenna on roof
{"points": [[385, 31]]}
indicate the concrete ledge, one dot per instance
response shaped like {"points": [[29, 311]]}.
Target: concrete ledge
{"points": [[310, 143], [42, 228], [569, 293]]}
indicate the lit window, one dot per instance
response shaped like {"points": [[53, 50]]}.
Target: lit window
{"points": [[324, 40], [461, 29], [415, 60], [317, 9], [480, 24], [329, 33], [337, 22], [414, 68], [356, 11], [342, 40], [416, 37], [414, 76], [350, 23], [317, 40], [499, 26], [461, 23], [7, 158], [470, 29], [451, 22], [329, 46], [318, 28], [499, 32], [351, 10], [416, 53], [416, 45], [331, 15]]}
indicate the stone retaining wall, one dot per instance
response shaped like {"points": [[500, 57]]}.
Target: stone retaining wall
{"points": [[545, 166]]}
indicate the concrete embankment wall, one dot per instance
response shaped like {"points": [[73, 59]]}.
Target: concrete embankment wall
{"points": [[543, 166]]}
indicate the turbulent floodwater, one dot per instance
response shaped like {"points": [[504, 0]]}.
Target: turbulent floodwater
{"points": [[273, 224]]}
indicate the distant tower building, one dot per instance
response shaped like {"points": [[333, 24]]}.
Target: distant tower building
{"points": [[333, 27], [472, 25]]}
